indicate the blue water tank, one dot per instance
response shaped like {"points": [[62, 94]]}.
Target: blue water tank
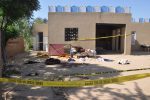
{"points": [[119, 9], [149, 19], [89, 9], [141, 20], [74, 9], [133, 19], [59, 9], [104, 9]]}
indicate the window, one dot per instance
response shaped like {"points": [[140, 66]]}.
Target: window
{"points": [[71, 34], [133, 37]]}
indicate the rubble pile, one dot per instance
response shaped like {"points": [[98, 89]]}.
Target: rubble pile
{"points": [[42, 55], [52, 61]]}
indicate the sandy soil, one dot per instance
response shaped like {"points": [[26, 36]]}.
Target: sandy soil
{"points": [[133, 90]]}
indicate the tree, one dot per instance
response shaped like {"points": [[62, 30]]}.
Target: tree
{"points": [[10, 12], [21, 27], [40, 20], [24, 28]]}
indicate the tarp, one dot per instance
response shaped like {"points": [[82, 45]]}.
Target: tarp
{"points": [[56, 49]]}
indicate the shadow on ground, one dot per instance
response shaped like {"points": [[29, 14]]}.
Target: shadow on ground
{"points": [[107, 93], [140, 53], [45, 72]]}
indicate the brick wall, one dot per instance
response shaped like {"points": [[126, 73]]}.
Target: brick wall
{"points": [[14, 46]]}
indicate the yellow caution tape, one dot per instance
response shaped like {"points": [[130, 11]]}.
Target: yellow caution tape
{"points": [[114, 36], [76, 83], [105, 72]]}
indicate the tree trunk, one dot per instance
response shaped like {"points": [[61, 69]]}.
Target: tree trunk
{"points": [[1, 66], [0, 57], [3, 51], [2, 40]]}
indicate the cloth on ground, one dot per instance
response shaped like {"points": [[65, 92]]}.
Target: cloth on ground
{"points": [[123, 61]]}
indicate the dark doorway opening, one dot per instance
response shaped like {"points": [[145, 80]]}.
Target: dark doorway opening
{"points": [[109, 45], [40, 35]]}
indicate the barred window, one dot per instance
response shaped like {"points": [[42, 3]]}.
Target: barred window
{"points": [[71, 34]]}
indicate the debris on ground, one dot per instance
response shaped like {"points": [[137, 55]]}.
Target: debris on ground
{"points": [[88, 53], [42, 55], [33, 74], [123, 61], [79, 49], [101, 59], [9, 73], [11, 70], [91, 53], [82, 60], [82, 55], [71, 60], [31, 62], [64, 55], [52, 61]]}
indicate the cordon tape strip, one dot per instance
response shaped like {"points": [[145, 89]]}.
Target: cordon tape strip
{"points": [[113, 36], [76, 83], [106, 72]]}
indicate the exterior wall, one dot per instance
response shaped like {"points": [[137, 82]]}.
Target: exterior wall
{"points": [[12, 46], [86, 24], [142, 34], [40, 28]]}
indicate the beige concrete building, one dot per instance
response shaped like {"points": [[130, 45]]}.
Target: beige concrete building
{"points": [[72, 27], [40, 37]]}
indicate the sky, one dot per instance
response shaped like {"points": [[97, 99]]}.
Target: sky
{"points": [[139, 8]]}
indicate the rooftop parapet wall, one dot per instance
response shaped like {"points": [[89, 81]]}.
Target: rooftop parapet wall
{"points": [[140, 20], [103, 9]]}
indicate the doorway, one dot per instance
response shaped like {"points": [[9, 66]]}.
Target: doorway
{"points": [[40, 38], [110, 45]]}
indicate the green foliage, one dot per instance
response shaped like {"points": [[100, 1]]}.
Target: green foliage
{"points": [[11, 32], [14, 18], [10, 12], [23, 27], [25, 31], [1, 12], [16, 9], [40, 20]]}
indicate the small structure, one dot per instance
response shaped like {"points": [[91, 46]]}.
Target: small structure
{"points": [[14, 46], [40, 37]]}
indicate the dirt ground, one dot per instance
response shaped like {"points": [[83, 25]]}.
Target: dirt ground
{"points": [[132, 90]]}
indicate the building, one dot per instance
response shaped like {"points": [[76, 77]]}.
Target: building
{"points": [[71, 25]]}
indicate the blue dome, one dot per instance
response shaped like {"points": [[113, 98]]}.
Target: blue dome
{"points": [[119, 9], [59, 9], [104, 9], [141, 20], [74, 9], [89, 9]]}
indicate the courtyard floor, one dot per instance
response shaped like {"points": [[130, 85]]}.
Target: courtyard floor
{"points": [[132, 90]]}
